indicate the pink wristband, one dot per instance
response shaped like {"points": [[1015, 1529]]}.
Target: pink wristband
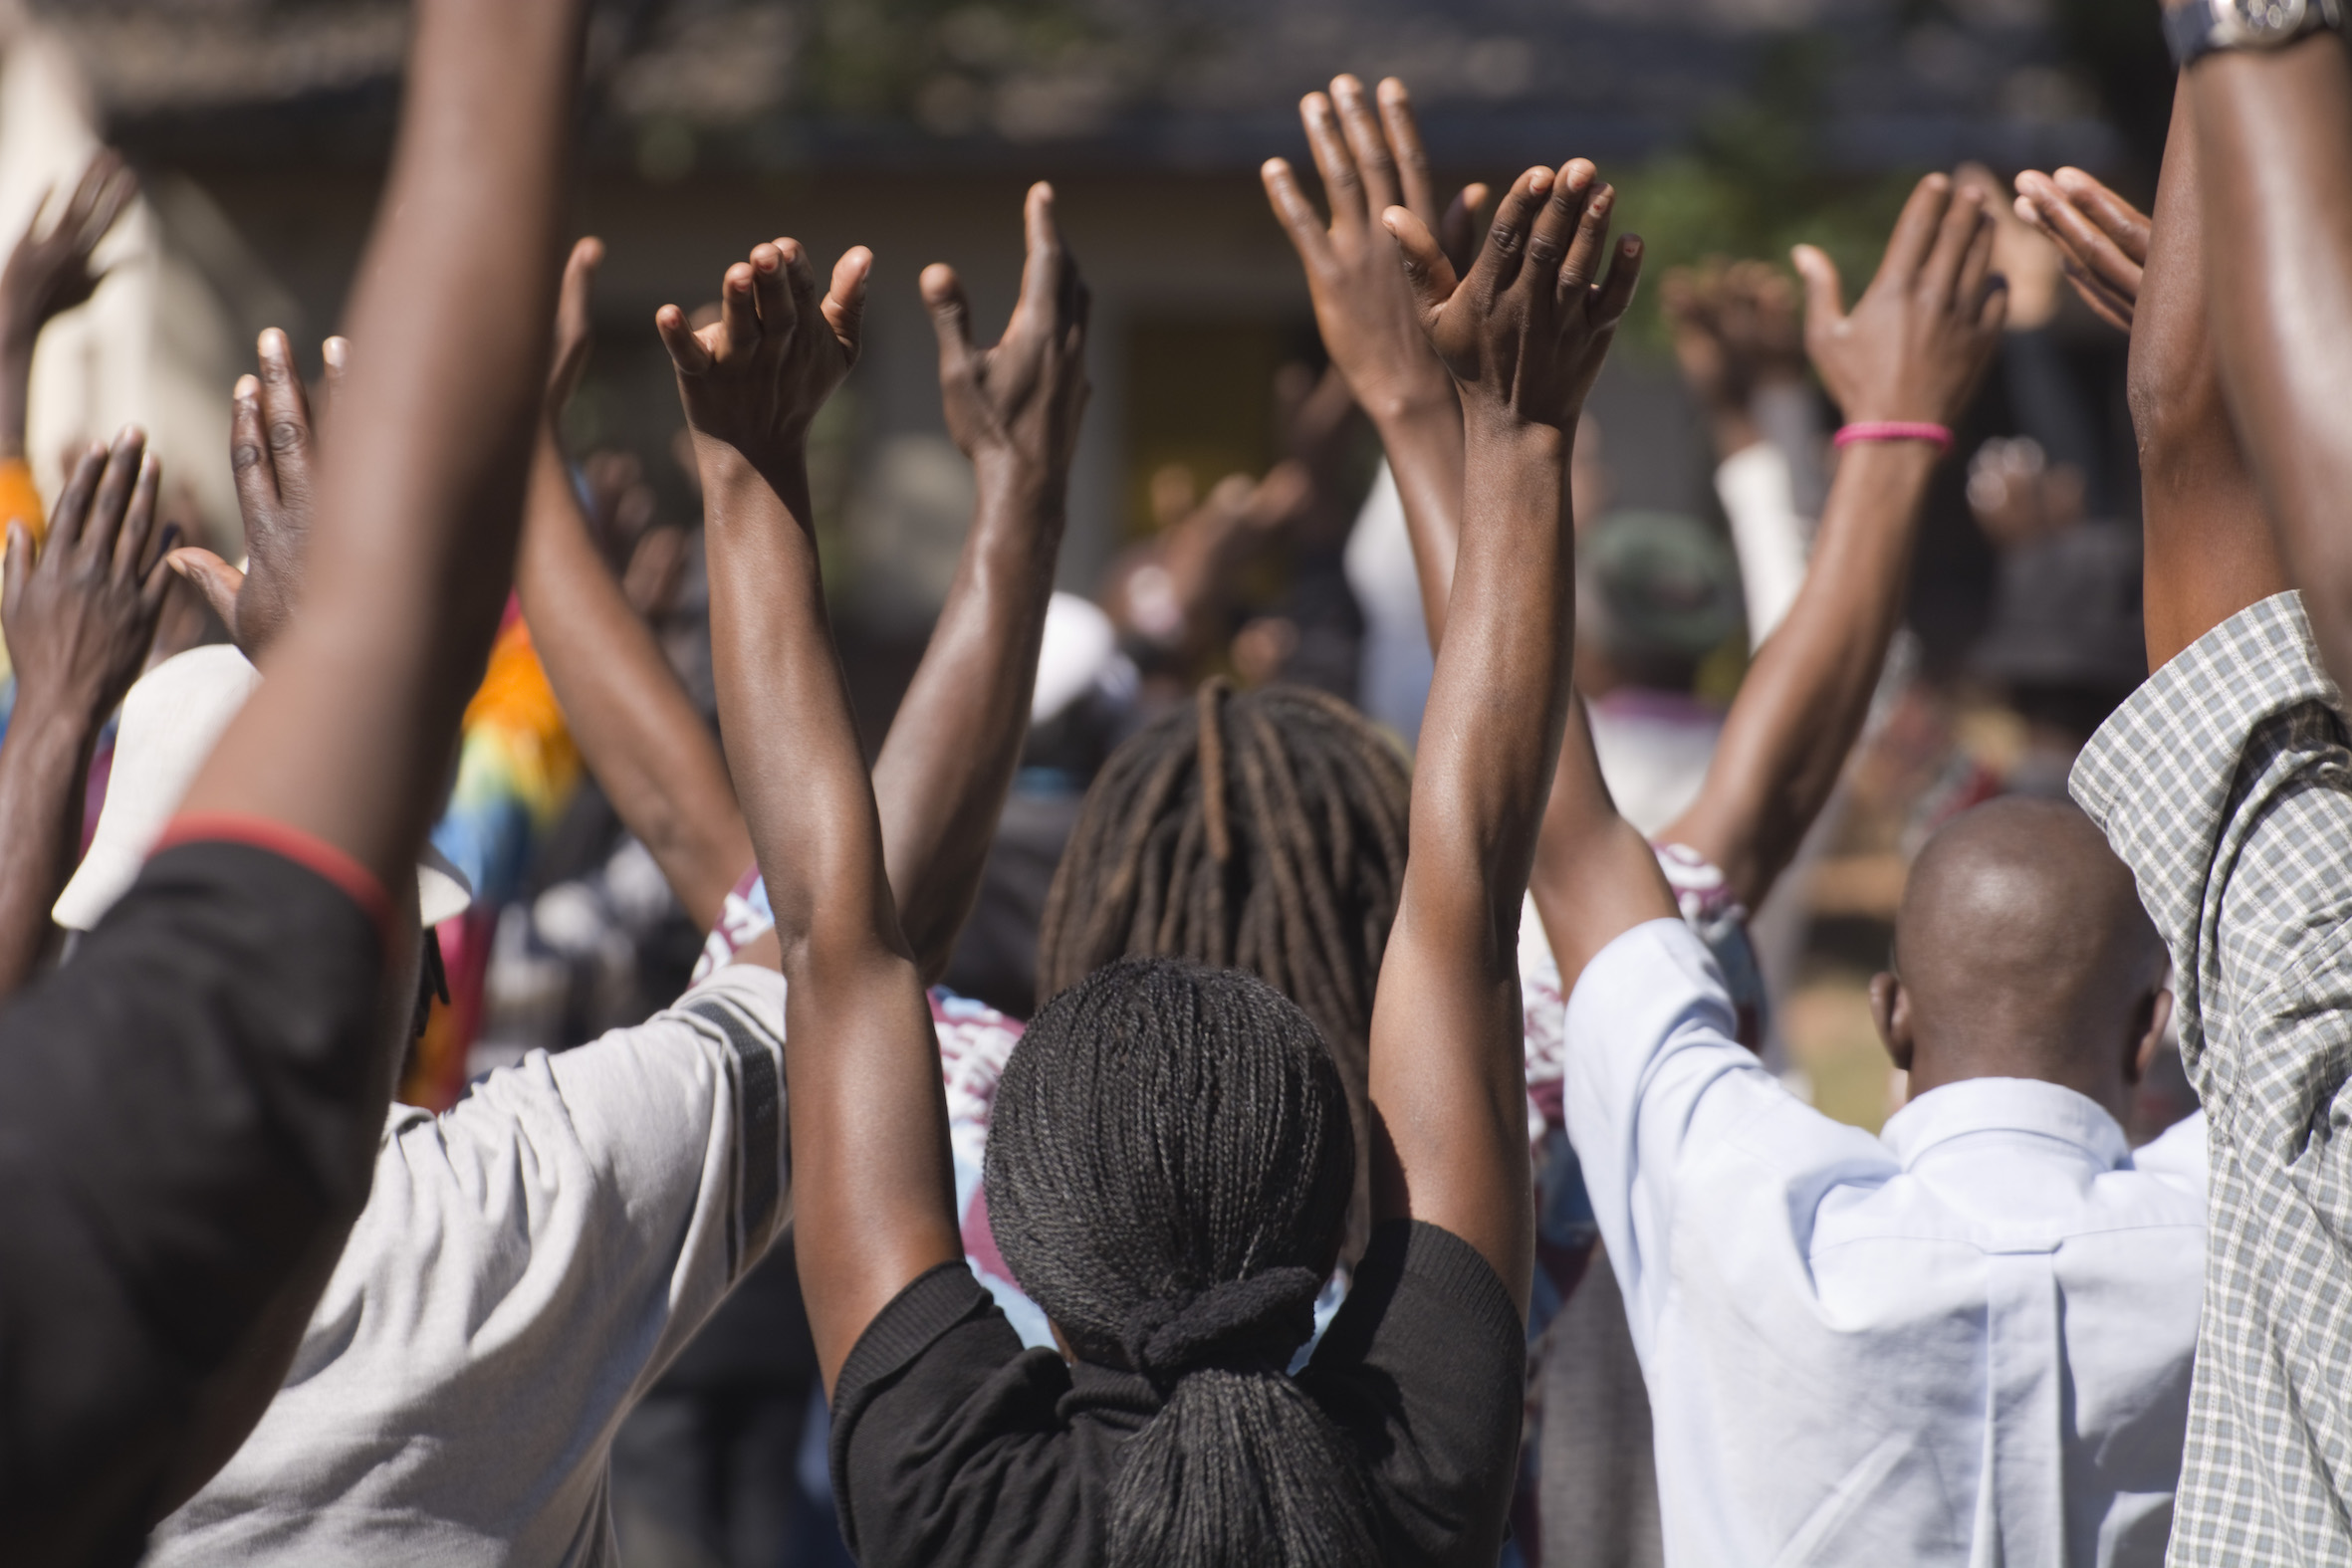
{"points": [[1895, 430]]}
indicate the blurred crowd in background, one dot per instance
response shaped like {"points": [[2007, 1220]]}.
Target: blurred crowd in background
{"points": [[1232, 516]]}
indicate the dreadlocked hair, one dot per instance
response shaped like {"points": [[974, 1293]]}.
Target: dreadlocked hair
{"points": [[1168, 1171], [1262, 831]]}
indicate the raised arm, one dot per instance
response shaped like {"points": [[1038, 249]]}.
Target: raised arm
{"points": [[1913, 350], [2210, 548], [872, 1187], [949, 756], [1370, 157], [80, 609], [420, 495], [49, 274], [948, 759], [635, 725], [2273, 132], [1523, 337]]}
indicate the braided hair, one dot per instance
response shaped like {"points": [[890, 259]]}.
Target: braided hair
{"points": [[1261, 832], [1169, 1172]]}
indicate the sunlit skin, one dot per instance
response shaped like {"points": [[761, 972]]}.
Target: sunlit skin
{"points": [[2209, 546], [2274, 130]]}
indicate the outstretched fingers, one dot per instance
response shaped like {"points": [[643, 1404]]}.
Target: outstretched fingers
{"points": [[951, 316], [1343, 185], [1459, 231], [101, 526], [69, 517], [1553, 234], [2093, 248], [843, 305], [135, 557], [1916, 230], [1500, 259], [1367, 143], [285, 408], [1294, 211], [2115, 218], [1825, 295], [1043, 265], [1416, 190], [686, 351], [249, 451], [1590, 246], [1964, 219], [739, 312], [1975, 271], [1614, 295]]}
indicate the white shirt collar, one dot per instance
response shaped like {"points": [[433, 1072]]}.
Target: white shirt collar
{"points": [[2012, 1105]]}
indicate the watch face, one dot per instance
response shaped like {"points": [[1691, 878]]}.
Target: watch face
{"points": [[2259, 22]]}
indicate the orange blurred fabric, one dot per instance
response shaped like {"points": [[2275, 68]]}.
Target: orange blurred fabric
{"points": [[20, 498]]}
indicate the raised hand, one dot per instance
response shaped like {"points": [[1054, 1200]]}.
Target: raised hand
{"points": [[1736, 328], [80, 610], [1921, 336], [1016, 406], [2102, 239], [753, 378], [575, 329], [1369, 163], [49, 273], [1525, 334], [274, 450]]}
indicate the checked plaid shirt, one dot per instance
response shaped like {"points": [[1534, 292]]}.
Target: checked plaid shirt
{"points": [[2225, 785]]}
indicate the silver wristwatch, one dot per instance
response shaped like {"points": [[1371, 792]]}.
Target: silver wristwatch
{"points": [[2199, 28]]}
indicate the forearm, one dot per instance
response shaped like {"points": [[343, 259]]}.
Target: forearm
{"points": [[1594, 876], [2276, 133], [940, 782], [1447, 1080], [1424, 443], [872, 1184], [44, 770], [421, 498], [2209, 548], [1805, 697], [636, 729]]}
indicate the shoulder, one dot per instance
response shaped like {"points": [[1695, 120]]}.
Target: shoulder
{"points": [[1425, 1369], [948, 1444]]}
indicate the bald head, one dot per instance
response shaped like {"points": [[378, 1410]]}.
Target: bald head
{"points": [[2022, 951]]}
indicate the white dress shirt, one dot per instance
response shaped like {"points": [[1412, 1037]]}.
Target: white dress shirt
{"points": [[1968, 1340]]}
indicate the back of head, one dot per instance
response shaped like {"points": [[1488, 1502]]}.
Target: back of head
{"points": [[1168, 1171], [1262, 831], [1656, 592], [2024, 952]]}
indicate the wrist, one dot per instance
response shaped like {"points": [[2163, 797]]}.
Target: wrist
{"points": [[1020, 479], [1928, 434], [1504, 432], [1408, 404], [56, 714]]}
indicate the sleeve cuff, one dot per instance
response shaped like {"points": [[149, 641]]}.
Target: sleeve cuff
{"points": [[2157, 777], [289, 843]]}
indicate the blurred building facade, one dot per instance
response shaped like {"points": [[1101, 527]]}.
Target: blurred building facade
{"points": [[912, 125]]}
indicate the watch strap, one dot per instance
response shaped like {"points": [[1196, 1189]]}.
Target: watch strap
{"points": [[2188, 32], [2193, 31]]}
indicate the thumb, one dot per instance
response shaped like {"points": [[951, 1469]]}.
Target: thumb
{"points": [[1824, 292], [215, 579], [1426, 271]]}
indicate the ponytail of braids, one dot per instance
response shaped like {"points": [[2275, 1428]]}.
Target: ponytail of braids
{"points": [[1169, 1171]]}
